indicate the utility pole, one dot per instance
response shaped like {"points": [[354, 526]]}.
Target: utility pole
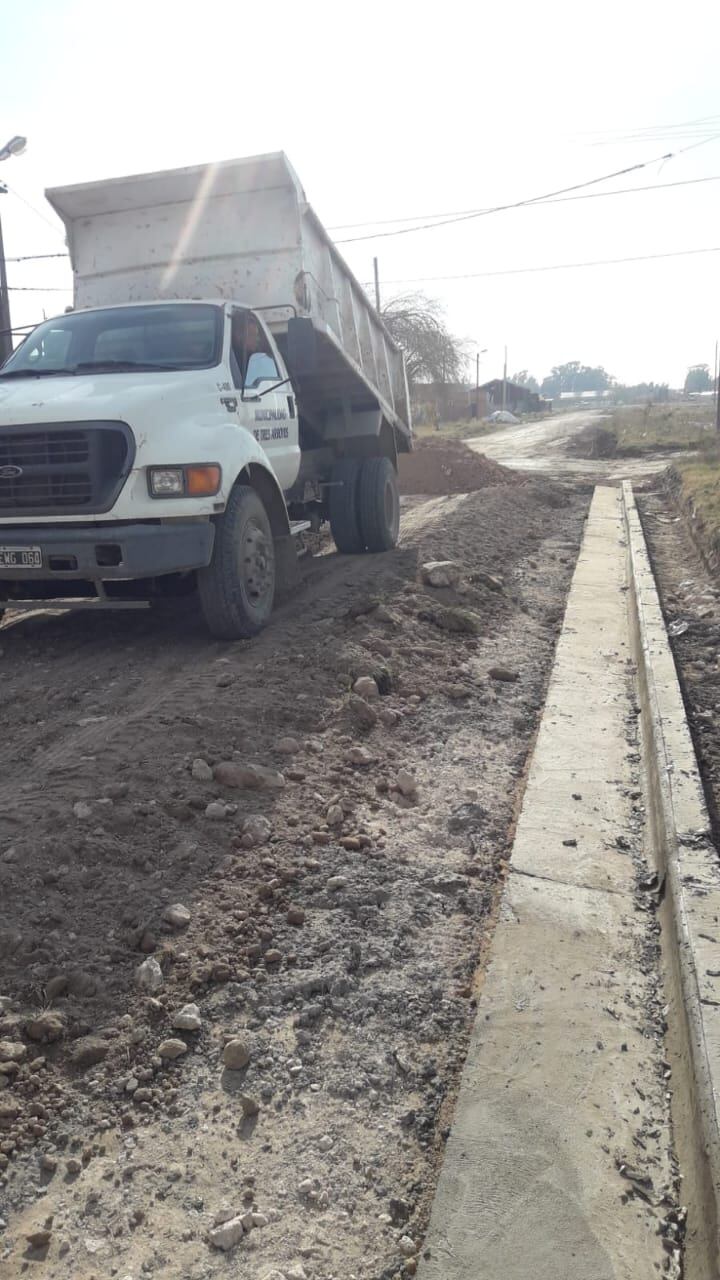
{"points": [[716, 391], [377, 285], [716, 385], [477, 380], [14, 147], [6, 345], [504, 390]]}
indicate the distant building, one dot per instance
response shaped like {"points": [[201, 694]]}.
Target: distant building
{"points": [[585, 399], [517, 399], [447, 402]]}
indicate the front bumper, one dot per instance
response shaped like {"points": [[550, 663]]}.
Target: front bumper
{"points": [[108, 552]]}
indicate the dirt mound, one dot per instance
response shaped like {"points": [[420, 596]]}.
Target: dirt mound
{"points": [[448, 466], [593, 442]]}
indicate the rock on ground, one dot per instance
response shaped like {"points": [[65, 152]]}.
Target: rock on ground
{"points": [[228, 1234], [172, 1049], [237, 1054], [149, 976], [187, 1019], [440, 573], [177, 915]]}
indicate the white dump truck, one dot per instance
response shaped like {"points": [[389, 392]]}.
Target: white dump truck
{"points": [[221, 385]]}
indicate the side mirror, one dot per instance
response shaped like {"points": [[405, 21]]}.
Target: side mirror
{"points": [[301, 345]]}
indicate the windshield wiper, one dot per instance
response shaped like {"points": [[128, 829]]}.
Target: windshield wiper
{"points": [[123, 366], [96, 366], [34, 373]]}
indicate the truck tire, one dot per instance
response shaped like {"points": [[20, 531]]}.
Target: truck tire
{"points": [[379, 504], [344, 510], [237, 590]]}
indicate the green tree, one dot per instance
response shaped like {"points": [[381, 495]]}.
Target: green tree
{"points": [[525, 379], [698, 379], [576, 377], [652, 392], [432, 353]]}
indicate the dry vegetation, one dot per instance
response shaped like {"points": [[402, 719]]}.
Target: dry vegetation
{"points": [[696, 484], [645, 428]]}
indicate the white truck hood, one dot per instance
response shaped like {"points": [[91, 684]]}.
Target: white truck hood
{"points": [[135, 398]]}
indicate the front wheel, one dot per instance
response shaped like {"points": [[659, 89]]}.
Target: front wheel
{"points": [[237, 590], [379, 504]]}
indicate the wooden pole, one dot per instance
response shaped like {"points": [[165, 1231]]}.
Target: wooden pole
{"points": [[716, 385], [717, 390], [6, 345]]}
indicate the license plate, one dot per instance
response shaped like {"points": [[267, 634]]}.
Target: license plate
{"points": [[20, 558]]}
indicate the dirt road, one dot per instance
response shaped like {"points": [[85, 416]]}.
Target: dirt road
{"points": [[325, 899], [542, 447]]}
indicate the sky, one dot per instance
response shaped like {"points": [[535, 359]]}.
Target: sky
{"points": [[395, 110]]}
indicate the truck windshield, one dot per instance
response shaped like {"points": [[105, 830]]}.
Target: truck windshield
{"points": [[122, 339]]}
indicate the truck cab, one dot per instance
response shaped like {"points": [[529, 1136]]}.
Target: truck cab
{"points": [[152, 440]]}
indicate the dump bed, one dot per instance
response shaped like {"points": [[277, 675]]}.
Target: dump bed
{"points": [[240, 230]]}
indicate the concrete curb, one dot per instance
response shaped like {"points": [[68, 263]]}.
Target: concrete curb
{"points": [[690, 915], [564, 1070]]}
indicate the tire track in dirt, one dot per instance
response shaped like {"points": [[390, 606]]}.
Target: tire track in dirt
{"points": [[156, 664]]}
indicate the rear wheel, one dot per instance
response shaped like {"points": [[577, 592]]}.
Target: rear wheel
{"points": [[237, 590], [344, 511], [379, 504]]}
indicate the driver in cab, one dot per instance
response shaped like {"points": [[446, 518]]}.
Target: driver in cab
{"points": [[251, 352]]}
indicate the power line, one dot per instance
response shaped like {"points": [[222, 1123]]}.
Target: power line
{"points": [[23, 328], [687, 128], [558, 266], [39, 288], [652, 128], [35, 257], [32, 208], [589, 195], [452, 213], [477, 275], [518, 204]]}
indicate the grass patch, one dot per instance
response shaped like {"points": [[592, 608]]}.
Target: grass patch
{"points": [[647, 428], [698, 481]]}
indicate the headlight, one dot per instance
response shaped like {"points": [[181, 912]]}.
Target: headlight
{"points": [[199, 480], [166, 482]]}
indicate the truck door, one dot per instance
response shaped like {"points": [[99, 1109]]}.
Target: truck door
{"points": [[268, 410]]}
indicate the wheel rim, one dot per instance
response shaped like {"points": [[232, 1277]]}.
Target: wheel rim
{"points": [[256, 565]]}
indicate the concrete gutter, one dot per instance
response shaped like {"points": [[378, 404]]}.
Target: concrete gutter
{"points": [[563, 1079], [686, 856]]}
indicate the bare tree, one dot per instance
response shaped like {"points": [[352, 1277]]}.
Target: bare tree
{"points": [[432, 353]]}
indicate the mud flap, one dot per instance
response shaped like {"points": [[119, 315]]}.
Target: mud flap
{"points": [[287, 571]]}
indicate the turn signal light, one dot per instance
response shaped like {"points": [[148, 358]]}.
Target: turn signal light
{"points": [[199, 480], [202, 482]]}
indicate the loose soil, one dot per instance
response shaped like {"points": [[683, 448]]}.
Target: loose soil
{"points": [[342, 939], [438, 466], [593, 442]]}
